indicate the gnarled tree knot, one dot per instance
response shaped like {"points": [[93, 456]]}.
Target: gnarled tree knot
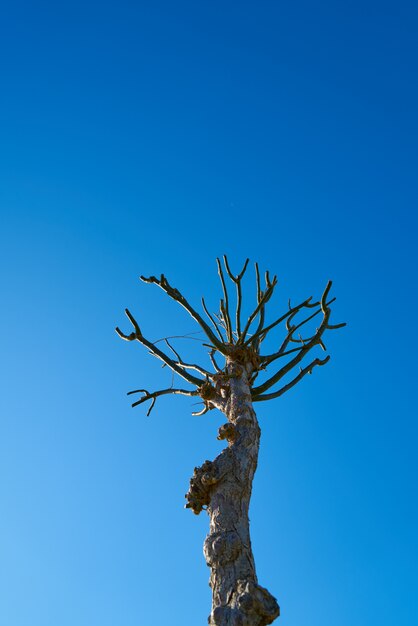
{"points": [[250, 605], [200, 483]]}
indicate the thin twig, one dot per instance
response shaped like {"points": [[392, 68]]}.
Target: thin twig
{"points": [[190, 366], [186, 336], [215, 325]]}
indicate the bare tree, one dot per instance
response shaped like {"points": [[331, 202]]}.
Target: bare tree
{"points": [[223, 487]]}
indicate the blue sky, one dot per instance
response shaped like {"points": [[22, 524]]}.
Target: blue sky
{"points": [[142, 138]]}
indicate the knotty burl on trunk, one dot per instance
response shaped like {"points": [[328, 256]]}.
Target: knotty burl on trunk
{"points": [[223, 487]]}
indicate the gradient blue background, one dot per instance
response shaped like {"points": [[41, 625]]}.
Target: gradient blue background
{"points": [[151, 137]]}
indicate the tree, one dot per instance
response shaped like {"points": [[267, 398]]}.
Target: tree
{"points": [[223, 487]]}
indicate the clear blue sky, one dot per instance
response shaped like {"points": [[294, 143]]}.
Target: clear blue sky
{"points": [[147, 137]]}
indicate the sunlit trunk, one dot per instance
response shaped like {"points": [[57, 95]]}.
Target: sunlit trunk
{"points": [[224, 487]]}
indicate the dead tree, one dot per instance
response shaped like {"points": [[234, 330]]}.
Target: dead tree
{"points": [[223, 487]]}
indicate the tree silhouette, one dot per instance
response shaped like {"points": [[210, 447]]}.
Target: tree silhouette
{"points": [[223, 487]]}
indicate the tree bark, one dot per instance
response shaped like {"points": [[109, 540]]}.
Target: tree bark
{"points": [[224, 488]]}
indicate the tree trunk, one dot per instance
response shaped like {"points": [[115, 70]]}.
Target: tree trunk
{"points": [[224, 487]]}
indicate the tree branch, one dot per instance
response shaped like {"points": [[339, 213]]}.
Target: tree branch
{"points": [[206, 408], [138, 336], [304, 349], [307, 370], [214, 363], [215, 325], [178, 297], [265, 297], [266, 360], [156, 394], [225, 304], [263, 332], [255, 340], [237, 281]]}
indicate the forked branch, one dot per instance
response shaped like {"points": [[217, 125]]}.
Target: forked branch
{"points": [[156, 394], [237, 280], [307, 370], [262, 298], [306, 345]]}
